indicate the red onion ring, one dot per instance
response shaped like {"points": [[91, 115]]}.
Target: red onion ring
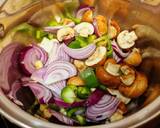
{"points": [[54, 29], [8, 71], [41, 93], [54, 72], [29, 56], [12, 94], [94, 97], [57, 87], [81, 53], [119, 51], [103, 109]]}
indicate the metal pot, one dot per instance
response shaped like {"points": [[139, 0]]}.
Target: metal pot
{"points": [[16, 115]]}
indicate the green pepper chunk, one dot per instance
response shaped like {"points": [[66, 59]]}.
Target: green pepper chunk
{"points": [[89, 78], [68, 95], [109, 50], [71, 112], [83, 92], [74, 44], [91, 38]]}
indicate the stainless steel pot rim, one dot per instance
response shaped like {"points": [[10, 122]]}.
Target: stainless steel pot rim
{"points": [[25, 120]]}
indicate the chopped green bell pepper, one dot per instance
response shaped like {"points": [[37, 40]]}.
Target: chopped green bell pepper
{"points": [[71, 112], [68, 95], [109, 49], [83, 92], [89, 78]]}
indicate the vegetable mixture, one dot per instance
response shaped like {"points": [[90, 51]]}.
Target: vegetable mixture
{"points": [[82, 70]]}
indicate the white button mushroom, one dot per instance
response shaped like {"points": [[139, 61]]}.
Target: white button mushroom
{"points": [[98, 56], [126, 39], [84, 29], [128, 76], [113, 69], [65, 33]]}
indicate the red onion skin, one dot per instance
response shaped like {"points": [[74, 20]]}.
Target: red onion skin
{"points": [[94, 97], [61, 103], [9, 71]]}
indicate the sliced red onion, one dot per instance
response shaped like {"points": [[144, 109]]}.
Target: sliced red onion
{"points": [[117, 58], [57, 87], [64, 119], [54, 72], [12, 94], [29, 56], [96, 27], [8, 71], [119, 51], [41, 93], [61, 103], [54, 29], [94, 97], [53, 53], [81, 53], [103, 109], [61, 54]]}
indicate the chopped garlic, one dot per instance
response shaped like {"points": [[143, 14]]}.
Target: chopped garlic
{"points": [[38, 64]]}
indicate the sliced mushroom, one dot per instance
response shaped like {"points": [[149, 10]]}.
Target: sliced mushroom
{"points": [[137, 88], [84, 29], [128, 75], [65, 33], [112, 32], [88, 16], [80, 65], [106, 78], [126, 39], [116, 93], [76, 81], [113, 69], [100, 23], [134, 58], [98, 57]]}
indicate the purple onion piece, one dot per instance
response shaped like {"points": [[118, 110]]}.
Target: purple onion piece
{"points": [[54, 29], [9, 71], [81, 53], [94, 97], [29, 56], [12, 94], [57, 87], [54, 72], [41, 93], [103, 109], [119, 51]]}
